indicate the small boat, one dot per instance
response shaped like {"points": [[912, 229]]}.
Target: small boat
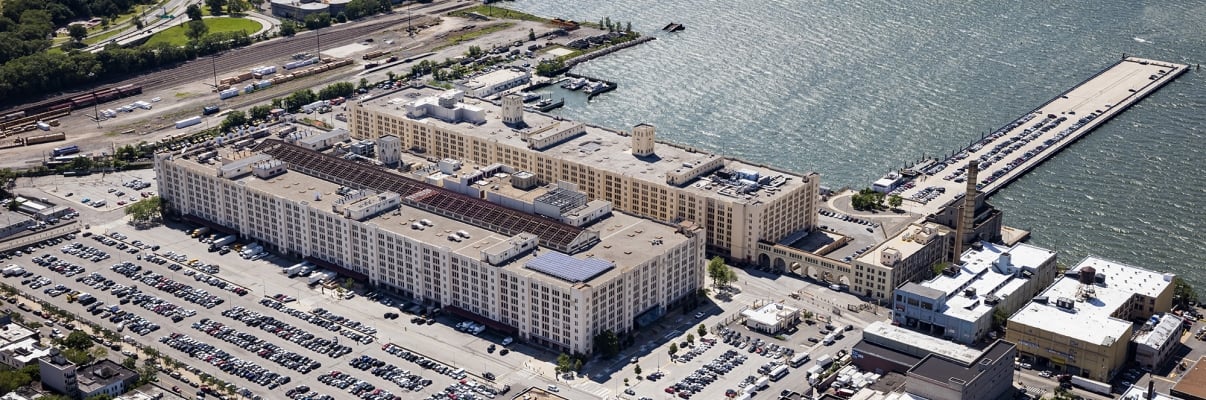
{"points": [[674, 27], [575, 84], [529, 97], [596, 87], [549, 104]]}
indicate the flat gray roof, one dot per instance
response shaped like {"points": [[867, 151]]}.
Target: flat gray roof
{"points": [[601, 147]]}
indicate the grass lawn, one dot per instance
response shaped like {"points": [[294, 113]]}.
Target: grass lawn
{"points": [[175, 35], [498, 12], [458, 39]]}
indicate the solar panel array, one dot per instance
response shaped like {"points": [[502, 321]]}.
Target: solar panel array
{"points": [[568, 268], [553, 234]]}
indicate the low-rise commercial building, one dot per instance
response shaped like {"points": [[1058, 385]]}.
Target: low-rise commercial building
{"points": [[961, 302], [936, 368], [58, 374], [22, 353], [494, 82], [539, 279], [105, 377], [771, 318], [1157, 340], [1192, 385], [1082, 323], [739, 205], [907, 257], [988, 377], [13, 223]]}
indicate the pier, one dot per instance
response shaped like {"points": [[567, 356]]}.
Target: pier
{"points": [[1016, 148]]}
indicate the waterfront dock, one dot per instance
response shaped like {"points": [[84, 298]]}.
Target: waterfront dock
{"points": [[1009, 152]]}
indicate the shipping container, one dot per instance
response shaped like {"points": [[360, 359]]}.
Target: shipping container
{"points": [[228, 93], [184, 123]]}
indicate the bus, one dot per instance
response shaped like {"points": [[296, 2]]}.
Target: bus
{"points": [[799, 360], [62, 151], [778, 373]]}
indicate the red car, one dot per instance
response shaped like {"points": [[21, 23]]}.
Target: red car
{"points": [[670, 389]]}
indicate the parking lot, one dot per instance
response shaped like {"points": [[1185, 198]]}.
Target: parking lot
{"points": [[224, 329]]}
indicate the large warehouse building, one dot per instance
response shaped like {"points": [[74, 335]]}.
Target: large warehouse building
{"points": [[738, 204], [543, 280]]}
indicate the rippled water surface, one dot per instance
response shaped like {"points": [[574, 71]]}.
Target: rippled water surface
{"points": [[854, 89]]}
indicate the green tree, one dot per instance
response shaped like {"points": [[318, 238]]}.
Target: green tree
{"points": [[673, 348], [215, 6], [564, 363], [259, 113], [194, 12], [7, 178], [999, 319], [288, 28], [235, 7], [607, 343], [146, 210], [77, 356], [720, 272], [10, 380], [473, 51], [690, 338], [577, 364], [636, 369], [531, 34], [317, 21], [130, 363], [77, 32], [337, 89], [628, 27], [195, 30], [364, 83], [233, 120], [1183, 293], [550, 67], [702, 330], [81, 163], [895, 201]]}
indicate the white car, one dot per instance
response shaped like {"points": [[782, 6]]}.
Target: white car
{"points": [[508, 341], [554, 388]]}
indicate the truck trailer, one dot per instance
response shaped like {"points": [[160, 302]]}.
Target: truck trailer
{"points": [[217, 244]]}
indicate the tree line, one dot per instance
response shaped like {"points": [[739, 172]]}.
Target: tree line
{"points": [[38, 74]]}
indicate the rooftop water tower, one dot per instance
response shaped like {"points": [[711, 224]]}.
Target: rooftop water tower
{"points": [[642, 140], [512, 110]]}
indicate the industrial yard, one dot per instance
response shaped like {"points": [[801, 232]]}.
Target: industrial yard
{"points": [[146, 108]]}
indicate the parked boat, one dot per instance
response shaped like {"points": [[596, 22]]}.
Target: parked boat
{"points": [[575, 84], [549, 104], [596, 87], [674, 27], [529, 97]]}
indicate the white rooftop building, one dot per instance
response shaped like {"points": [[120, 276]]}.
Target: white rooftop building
{"points": [[1157, 339], [1082, 323], [771, 318], [492, 83], [959, 303]]}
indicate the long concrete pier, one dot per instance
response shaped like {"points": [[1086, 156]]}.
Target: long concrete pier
{"points": [[1017, 147]]}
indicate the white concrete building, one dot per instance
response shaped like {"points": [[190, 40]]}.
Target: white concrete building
{"points": [[1157, 339], [959, 303], [740, 205], [771, 318], [543, 281], [491, 83], [1082, 323]]}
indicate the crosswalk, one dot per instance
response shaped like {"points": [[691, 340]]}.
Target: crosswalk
{"points": [[596, 390]]}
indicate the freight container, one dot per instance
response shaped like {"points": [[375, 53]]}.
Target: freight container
{"points": [[62, 151], [228, 93], [263, 84], [43, 126], [185, 123], [143, 105]]}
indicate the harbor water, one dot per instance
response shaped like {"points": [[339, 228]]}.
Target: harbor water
{"points": [[855, 89]]}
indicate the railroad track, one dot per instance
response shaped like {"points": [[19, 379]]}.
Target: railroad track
{"points": [[263, 52]]}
